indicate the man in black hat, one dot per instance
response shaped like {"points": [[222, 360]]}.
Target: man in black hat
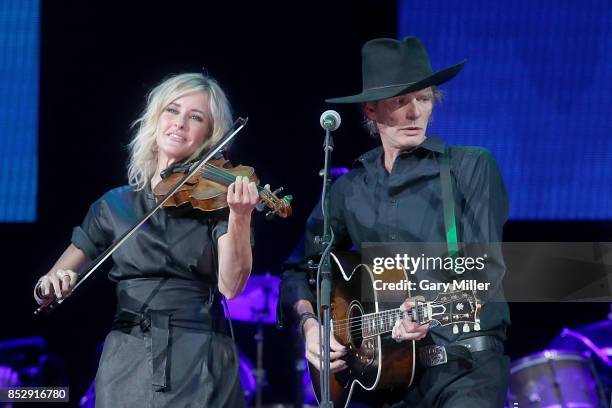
{"points": [[415, 188]]}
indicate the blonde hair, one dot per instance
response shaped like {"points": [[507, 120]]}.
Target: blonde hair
{"points": [[143, 147]]}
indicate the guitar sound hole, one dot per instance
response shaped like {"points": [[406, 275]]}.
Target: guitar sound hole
{"points": [[356, 337]]}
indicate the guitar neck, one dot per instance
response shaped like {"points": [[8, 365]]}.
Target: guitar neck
{"points": [[382, 322], [459, 308]]}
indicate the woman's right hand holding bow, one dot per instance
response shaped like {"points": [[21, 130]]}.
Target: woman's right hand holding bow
{"points": [[61, 279]]}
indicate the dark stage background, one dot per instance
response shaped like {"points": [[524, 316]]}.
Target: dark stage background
{"points": [[277, 62]]}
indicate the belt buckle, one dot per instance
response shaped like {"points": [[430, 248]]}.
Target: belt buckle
{"points": [[434, 355], [145, 323]]}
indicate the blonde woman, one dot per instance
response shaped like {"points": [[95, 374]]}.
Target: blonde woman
{"points": [[168, 346]]}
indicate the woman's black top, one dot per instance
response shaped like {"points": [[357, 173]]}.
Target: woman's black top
{"points": [[173, 243]]}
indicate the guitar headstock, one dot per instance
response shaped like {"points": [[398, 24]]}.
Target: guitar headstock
{"points": [[459, 308]]}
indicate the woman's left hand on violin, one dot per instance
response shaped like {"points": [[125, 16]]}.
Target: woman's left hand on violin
{"points": [[242, 196]]}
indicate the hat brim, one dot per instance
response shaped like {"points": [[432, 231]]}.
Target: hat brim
{"points": [[377, 94]]}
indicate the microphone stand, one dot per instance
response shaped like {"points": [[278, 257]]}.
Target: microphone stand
{"points": [[325, 269]]}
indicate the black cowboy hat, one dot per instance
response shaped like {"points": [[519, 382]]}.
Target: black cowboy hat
{"points": [[391, 68]]}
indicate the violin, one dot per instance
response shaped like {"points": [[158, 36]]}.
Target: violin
{"points": [[207, 189]]}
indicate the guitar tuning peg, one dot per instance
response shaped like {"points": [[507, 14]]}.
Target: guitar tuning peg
{"points": [[476, 326], [455, 329], [466, 328]]}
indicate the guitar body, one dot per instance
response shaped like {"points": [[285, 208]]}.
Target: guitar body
{"points": [[374, 362]]}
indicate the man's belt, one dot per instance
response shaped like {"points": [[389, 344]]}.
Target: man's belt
{"points": [[433, 355]]}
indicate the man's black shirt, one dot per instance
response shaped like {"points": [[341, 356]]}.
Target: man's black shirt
{"points": [[369, 205]]}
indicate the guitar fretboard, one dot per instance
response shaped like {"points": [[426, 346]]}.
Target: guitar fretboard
{"points": [[374, 324]]}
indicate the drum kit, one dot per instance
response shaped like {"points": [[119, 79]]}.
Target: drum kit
{"points": [[576, 372]]}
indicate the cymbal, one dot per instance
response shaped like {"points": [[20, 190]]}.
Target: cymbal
{"points": [[257, 303], [600, 333]]}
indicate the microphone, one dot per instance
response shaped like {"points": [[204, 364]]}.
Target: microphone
{"points": [[330, 120]]}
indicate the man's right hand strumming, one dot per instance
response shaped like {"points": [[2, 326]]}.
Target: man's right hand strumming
{"points": [[311, 329]]}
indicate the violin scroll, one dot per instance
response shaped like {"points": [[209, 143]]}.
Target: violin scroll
{"points": [[277, 206]]}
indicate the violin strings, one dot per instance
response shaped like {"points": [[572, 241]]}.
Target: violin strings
{"points": [[222, 176], [226, 177]]}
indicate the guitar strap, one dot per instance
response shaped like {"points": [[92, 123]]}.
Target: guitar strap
{"points": [[448, 202]]}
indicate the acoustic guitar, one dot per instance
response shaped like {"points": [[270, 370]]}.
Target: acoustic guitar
{"points": [[362, 321]]}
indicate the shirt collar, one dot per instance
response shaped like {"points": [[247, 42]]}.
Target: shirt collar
{"points": [[433, 143], [370, 158]]}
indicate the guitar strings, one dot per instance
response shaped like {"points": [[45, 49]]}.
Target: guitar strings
{"points": [[356, 328], [357, 323], [360, 321], [420, 308], [350, 320]]}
